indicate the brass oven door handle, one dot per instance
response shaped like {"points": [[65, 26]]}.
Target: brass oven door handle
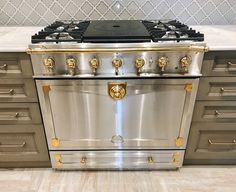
{"points": [[4, 67], [10, 92], [12, 145], [16, 115], [231, 66], [222, 143], [225, 114]]}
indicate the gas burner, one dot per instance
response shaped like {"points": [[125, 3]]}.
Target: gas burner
{"points": [[129, 31]]}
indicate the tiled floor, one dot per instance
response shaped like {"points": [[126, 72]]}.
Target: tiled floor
{"points": [[187, 179]]}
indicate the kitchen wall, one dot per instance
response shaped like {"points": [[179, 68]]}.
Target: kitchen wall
{"points": [[42, 12]]}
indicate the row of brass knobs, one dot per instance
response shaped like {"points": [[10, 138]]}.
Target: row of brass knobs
{"points": [[49, 63]]}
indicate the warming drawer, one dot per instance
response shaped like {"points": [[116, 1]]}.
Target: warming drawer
{"points": [[117, 159]]}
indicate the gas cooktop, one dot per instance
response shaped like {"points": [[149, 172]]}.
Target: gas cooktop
{"points": [[116, 31]]}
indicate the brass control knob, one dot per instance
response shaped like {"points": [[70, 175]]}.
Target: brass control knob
{"points": [[49, 64], [71, 65], [117, 63], [184, 63], [162, 62], [94, 64], [139, 63]]}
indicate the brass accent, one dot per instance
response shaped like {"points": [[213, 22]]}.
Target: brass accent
{"points": [[94, 64], [4, 67], [83, 160], [55, 142], [179, 142], [188, 87], [58, 160], [117, 91], [71, 64], [46, 88], [139, 63], [123, 50], [176, 159], [222, 143], [49, 64], [117, 63], [10, 92], [150, 160], [184, 64], [162, 62]]}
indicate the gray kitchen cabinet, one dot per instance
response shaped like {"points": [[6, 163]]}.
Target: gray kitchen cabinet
{"points": [[212, 138], [22, 137]]}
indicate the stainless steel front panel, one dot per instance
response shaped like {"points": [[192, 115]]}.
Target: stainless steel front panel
{"points": [[82, 115], [117, 159]]}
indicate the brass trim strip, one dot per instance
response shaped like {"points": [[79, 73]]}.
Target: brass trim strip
{"points": [[112, 50]]}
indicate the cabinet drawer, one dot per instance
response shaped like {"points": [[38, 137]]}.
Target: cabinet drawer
{"points": [[215, 111], [116, 159], [15, 65], [220, 63], [20, 113], [17, 90], [211, 143], [22, 143], [217, 88]]}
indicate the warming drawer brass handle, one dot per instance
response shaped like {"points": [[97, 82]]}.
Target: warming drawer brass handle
{"points": [[16, 115], [83, 160], [10, 92], [4, 67], [222, 143], [223, 90], [150, 160], [12, 145], [231, 66]]}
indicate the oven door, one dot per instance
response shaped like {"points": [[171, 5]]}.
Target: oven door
{"points": [[117, 114]]}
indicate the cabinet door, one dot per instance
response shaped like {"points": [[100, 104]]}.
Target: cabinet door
{"points": [[219, 63], [211, 143], [215, 111], [15, 65], [217, 88], [19, 143], [17, 90]]}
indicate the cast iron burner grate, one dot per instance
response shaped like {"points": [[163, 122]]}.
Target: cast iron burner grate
{"points": [[105, 31]]}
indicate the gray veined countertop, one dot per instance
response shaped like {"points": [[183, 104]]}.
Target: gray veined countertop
{"points": [[217, 37]]}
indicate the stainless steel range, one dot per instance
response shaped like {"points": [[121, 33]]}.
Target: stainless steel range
{"points": [[117, 94]]}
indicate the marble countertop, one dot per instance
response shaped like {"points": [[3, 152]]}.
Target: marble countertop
{"points": [[217, 37]]}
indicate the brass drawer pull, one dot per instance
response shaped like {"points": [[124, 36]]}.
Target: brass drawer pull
{"points": [[225, 114], [83, 160], [12, 145], [231, 66], [223, 90], [10, 92], [222, 143], [150, 160], [4, 67], [16, 115]]}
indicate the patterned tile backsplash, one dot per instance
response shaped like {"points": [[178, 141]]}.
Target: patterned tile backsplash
{"points": [[42, 12]]}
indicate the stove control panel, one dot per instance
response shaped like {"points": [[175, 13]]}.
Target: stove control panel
{"points": [[120, 64]]}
